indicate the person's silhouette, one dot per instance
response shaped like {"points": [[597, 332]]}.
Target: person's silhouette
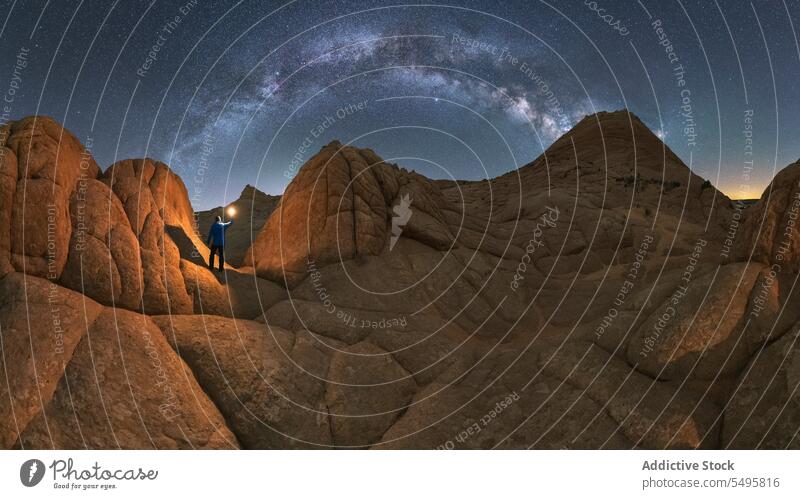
{"points": [[216, 241]]}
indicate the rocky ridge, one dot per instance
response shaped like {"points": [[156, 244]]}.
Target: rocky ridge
{"points": [[602, 296]]}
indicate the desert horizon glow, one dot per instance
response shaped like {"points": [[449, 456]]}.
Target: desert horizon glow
{"points": [[743, 191]]}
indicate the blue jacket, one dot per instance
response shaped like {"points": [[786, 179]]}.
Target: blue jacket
{"points": [[217, 233]]}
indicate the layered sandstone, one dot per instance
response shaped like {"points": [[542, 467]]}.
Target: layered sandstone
{"points": [[339, 206], [602, 296]]}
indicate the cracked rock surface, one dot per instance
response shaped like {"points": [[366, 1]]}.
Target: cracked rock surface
{"points": [[601, 296]]}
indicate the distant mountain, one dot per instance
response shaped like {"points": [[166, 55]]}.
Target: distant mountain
{"points": [[253, 208]]}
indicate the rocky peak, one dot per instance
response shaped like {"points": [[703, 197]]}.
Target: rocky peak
{"points": [[606, 139], [250, 191]]}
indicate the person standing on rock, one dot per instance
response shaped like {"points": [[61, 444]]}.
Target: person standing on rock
{"points": [[216, 241]]}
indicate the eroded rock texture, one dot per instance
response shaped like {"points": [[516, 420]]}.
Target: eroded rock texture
{"points": [[42, 167], [339, 206], [80, 375], [602, 296]]}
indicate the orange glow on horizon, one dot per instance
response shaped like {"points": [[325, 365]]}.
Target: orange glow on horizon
{"points": [[736, 192]]}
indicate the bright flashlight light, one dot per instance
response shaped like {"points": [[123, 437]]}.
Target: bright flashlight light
{"points": [[231, 211]]}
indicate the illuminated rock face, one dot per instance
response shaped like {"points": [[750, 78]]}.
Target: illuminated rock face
{"points": [[104, 257], [42, 167], [42, 324], [154, 198], [602, 296], [107, 380], [339, 206]]}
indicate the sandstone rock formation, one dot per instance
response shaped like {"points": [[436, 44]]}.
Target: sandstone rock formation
{"points": [[602, 296], [256, 379], [235, 294], [42, 324], [770, 226], [103, 260], [339, 206], [154, 198], [42, 166], [369, 390], [86, 376], [764, 409]]}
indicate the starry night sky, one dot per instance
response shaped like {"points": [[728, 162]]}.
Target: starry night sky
{"points": [[243, 92]]}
